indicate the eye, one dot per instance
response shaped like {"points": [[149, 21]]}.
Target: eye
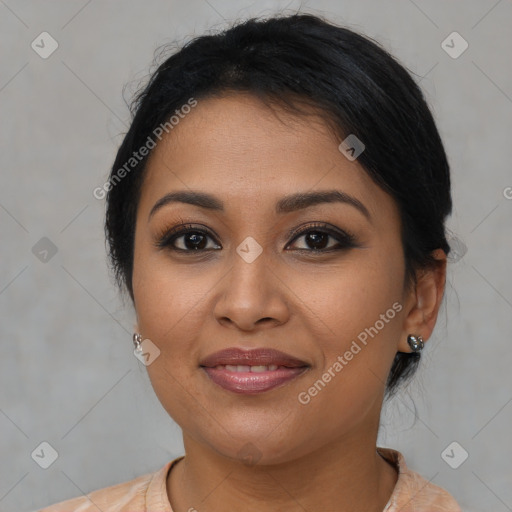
{"points": [[317, 238], [186, 239]]}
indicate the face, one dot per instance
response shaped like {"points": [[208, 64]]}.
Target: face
{"points": [[322, 282]]}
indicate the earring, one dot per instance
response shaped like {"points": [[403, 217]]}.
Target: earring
{"points": [[137, 339], [415, 342]]}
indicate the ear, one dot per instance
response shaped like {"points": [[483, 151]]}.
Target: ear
{"points": [[424, 301]]}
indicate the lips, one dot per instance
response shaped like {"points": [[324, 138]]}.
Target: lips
{"points": [[255, 357], [252, 371]]}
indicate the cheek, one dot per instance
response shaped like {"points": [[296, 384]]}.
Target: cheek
{"points": [[172, 308], [166, 295], [357, 322], [342, 301], [170, 312]]}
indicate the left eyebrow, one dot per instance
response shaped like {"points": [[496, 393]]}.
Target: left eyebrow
{"points": [[287, 204], [306, 199]]}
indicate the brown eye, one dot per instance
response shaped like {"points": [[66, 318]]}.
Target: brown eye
{"points": [[186, 240], [317, 240], [193, 240]]}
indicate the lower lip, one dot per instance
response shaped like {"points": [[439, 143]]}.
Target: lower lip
{"points": [[252, 382]]}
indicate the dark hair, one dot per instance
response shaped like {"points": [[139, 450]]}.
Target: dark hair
{"points": [[295, 61]]}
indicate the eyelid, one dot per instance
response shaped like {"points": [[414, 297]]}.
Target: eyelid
{"points": [[324, 227]]}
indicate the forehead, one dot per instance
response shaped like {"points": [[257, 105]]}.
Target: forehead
{"points": [[239, 149]]}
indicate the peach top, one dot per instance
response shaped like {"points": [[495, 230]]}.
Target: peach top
{"points": [[147, 493]]}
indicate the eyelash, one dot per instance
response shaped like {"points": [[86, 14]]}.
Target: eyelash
{"points": [[345, 239]]}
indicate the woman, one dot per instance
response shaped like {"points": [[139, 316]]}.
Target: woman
{"points": [[276, 213]]}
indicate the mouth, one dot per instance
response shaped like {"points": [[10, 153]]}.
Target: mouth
{"points": [[252, 371]]}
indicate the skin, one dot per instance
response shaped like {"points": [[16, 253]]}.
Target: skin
{"points": [[319, 456]]}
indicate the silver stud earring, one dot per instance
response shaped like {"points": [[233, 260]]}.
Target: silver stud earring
{"points": [[137, 339], [415, 342]]}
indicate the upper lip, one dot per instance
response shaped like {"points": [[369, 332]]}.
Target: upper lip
{"points": [[252, 357]]}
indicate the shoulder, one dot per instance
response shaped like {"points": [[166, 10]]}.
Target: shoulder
{"points": [[415, 491], [131, 495]]}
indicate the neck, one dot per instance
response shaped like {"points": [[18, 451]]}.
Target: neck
{"points": [[346, 475]]}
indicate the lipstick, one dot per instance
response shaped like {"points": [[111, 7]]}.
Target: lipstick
{"points": [[252, 371]]}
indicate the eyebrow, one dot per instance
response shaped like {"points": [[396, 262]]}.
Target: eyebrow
{"points": [[287, 204]]}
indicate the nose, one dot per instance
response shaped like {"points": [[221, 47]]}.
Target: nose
{"points": [[252, 296]]}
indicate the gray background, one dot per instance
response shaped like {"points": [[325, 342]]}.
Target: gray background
{"points": [[68, 374]]}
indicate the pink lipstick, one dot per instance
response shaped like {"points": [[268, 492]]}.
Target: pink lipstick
{"points": [[252, 371]]}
